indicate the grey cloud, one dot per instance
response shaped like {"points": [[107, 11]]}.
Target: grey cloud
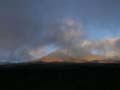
{"points": [[39, 23]]}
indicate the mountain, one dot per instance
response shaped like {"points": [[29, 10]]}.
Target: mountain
{"points": [[85, 59], [63, 56], [51, 59], [90, 58]]}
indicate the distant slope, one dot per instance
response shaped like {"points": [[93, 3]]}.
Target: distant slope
{"points": [[51, 59], [90, 58], [62, 56], [93, 58]]}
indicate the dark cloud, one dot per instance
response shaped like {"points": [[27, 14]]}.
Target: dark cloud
{"points": [[29, 24]]}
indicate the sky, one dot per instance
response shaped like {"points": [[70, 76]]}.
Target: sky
{"points": [[27, 25], [98, 16]]}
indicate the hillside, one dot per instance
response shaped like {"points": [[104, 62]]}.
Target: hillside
{"points": [[90, 58], [85, 59]]}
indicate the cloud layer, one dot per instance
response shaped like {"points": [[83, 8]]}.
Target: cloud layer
{"points": [[66, 36], [31, 29], [70, 40]]}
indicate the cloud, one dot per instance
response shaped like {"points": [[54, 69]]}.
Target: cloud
{"points": [[24, 36], [108, 47], [67, 37], [111, 47], [25, 43], [42, 51], [63, 35]]}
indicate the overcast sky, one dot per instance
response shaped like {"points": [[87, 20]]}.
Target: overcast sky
{"points": [[26, 22]]}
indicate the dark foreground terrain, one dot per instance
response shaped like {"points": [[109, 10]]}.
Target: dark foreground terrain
{"points": [[58, 76]]}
